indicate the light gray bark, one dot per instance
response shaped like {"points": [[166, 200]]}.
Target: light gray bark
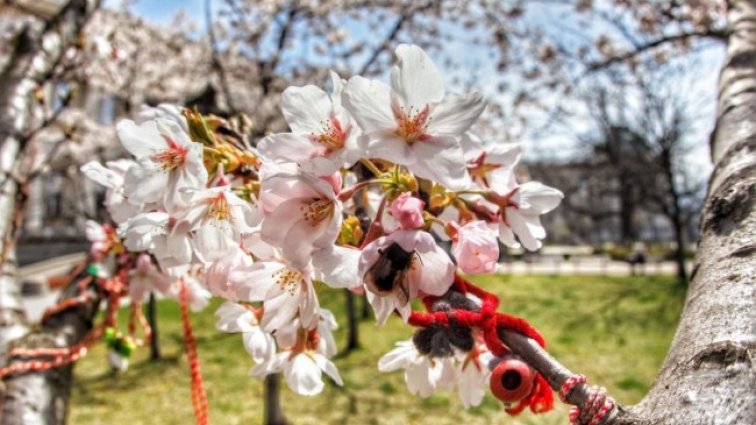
{"points": [[708, 376], [41, 398], [38, 46]]}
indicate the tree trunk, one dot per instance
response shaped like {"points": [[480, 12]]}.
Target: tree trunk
{"points": [[366, 309], [708, 376], [41, 398], [273, 412], [678, 229], [627, 208], [353, 329], [152, 320], [37, 46], [29, 66]]}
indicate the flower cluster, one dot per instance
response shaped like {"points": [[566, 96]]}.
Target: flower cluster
{"points": [[354, 197]]}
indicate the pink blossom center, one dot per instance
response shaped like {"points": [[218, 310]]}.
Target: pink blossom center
{"points": [[479, 169], [173, 157], [333, 135], [219, 208], [411, 125]]}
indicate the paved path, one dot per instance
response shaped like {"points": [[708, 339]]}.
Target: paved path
{"points": [[35, 305], [590, 266]]}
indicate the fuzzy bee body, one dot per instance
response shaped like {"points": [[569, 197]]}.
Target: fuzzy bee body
{"points": [[389, 274]]}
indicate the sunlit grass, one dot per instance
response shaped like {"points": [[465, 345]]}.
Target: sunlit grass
{"points": [[615, 330]]}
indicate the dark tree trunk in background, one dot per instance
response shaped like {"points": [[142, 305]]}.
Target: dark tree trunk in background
{"points": [[708, 376], [152, 319], [365, 307], [353, 323], [677, 221], [627, 209], [274, 414]]}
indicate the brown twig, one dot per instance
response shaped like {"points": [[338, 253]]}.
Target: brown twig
{"points": [[554, 372]]}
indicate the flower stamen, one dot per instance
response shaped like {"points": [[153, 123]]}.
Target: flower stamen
{"points": [[173, 157], [288, 280], [411, 124], [219, 208], [317, 211], [333, 135]]}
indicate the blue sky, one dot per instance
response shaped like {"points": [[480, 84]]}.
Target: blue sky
{"points": [[701, 86], [163, 11]]}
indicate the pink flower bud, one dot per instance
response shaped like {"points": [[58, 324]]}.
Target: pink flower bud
{"points": [[476, 248], [408, 211]]}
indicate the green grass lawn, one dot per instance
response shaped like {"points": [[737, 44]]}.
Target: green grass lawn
{"points": [[614, 330]]}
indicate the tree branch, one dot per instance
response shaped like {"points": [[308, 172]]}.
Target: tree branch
{"points": [[554, 372], [215, 57], [403, 16], [720, 35], [269, 68]]}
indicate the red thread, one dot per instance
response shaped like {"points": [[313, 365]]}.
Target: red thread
{"points": [[60, 356], [489, 322], [199, 398], [595, 407]]}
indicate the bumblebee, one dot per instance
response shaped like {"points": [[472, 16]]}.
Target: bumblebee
{"points": [[390, 273]]}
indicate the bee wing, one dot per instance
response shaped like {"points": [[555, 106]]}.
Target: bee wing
{"points": [[401, 287]]}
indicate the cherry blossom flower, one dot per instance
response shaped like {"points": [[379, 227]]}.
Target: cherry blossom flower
{"points": [[303, 372], [286, 293], [322, 138], [146, 278], [476, 248], [236, 318], [422, 374], [217, 218], [167, 162], [408, 211], [226, 277], [301, 214], [520, 211], [492, 167], [397, 267], [473, 376], [164, 111], [111, 176], [304, 355], [412, 122], [161, 234]]}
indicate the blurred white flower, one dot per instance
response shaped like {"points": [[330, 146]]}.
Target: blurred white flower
{"points": [[520, 211], [112, 176]]}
